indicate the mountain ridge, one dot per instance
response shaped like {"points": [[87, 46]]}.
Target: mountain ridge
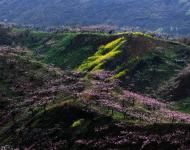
{"points": [[158, 15]]}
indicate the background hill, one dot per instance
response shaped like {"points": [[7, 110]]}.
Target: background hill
{"points": [[171, 16]]}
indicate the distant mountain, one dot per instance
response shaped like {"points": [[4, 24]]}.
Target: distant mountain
{"points": [[163, 15]]}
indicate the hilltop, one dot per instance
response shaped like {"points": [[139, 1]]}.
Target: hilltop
{"points": [[143, 62], [92, 90]]}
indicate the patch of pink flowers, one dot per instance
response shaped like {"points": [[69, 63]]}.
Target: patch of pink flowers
{"points": [[174, 116], [143, 99]]}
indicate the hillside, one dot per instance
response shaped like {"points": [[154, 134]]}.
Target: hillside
{"points": [[133, 58], [92, 91], [171, 16]]}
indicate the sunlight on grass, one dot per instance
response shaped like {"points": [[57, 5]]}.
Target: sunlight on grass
{"points": [[103, 54]]}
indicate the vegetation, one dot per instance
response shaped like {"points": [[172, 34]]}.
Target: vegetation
{"points": [[79, 90], [123, 13]]}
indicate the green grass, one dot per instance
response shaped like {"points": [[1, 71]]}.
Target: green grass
{"points": [[66, 50], [77, 123], [103, 54], [121, 73], [142, 34]]}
